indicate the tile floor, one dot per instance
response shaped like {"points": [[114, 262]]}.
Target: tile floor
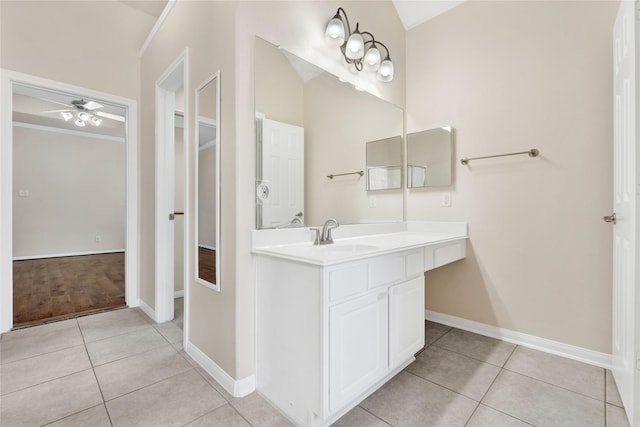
{"points": [[120, 369]]}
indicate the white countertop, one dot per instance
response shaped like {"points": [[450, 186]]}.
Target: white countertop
{"points": [[377, 239]]}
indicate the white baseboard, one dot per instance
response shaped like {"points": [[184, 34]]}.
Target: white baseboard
{"points": [[178, 294], [569, 351], [147, 310], [23, 258], [237, 388]]}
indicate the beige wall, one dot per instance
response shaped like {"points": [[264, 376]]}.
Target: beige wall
{"points": [[76, 190], [207, 29], [93, 44], [510, 76], [207, 197]]}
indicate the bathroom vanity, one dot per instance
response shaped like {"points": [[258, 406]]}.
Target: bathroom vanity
{"points": [[335, 322]]}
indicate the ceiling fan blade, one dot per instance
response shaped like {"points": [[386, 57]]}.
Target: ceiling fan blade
{"points": [[109, 116], [58, 102], [56, 111]]}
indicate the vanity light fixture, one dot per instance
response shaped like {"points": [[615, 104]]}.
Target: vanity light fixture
{"points": [[362, 53]]}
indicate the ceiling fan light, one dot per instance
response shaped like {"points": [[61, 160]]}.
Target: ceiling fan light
{"points": [[334, 35], [385, 72], [66, 115], [96, 121], [83, 116], [80, 123], [372, 59]]}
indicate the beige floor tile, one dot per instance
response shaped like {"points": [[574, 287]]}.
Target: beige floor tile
{"points": [[38, 340], [542, 404], [616, 417], [175, 401], [45, 367], [358, 417], [434, 331], [50, 401], [408, 400], [612, 394], [204, 374], [112, 323], [93, 417], [125, 345], [224, 416], [476, 346], [454, 371], [487, 417], [126, 375], [260, 413], [566, 373], [170, 331]]}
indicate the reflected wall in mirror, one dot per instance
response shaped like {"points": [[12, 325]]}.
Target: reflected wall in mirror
{"points": [[384, 164], [310, 125], [208, 183], [429, 157]]}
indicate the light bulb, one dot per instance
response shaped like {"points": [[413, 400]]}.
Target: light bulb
{"points": [[355, 46], [66, 115], [334, 35], [372, 58], [83, 116], [385, 72], [80, 123], [96, 121]]}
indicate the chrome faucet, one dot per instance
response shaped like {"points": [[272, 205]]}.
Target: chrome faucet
{"points": [[329, 225]]}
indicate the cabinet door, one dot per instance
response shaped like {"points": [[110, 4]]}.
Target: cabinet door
{"points": [[358, 346], [406, 320]]}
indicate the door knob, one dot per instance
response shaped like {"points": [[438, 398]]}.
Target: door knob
{"points": [[610, 218]]}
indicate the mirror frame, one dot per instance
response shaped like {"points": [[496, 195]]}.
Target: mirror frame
{"points": [[215, 76]]}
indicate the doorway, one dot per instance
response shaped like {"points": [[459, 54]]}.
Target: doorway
{"points": [[64, 110], [171, 96]]}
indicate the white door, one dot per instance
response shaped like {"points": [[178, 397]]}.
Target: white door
{"points": [[358, 346], [626, 307], [282, 173], [406, 320]]}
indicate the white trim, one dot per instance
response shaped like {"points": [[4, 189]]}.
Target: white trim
{"points": [[569, 351], [147, 310], [43, 256], [211, 248], [178, 294], [8, 79], [68, 131], [157, 25], [237, 388]]}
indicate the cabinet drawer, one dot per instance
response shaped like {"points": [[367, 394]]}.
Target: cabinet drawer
{"points": [[347, 281], [386, 270], [414, 264], [440, 255]]}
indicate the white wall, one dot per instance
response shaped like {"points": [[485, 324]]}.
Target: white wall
{"points": [[178, 237], [76, 192], [510, 76]]}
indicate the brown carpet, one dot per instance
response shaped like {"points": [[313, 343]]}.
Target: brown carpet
{"points": [[56, 288], [207, 264]]}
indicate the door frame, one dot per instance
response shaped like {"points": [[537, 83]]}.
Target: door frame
{"points": [[8, 79], [173, 78]]}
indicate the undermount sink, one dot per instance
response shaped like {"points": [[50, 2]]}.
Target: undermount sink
{"points": [[348, 247]]}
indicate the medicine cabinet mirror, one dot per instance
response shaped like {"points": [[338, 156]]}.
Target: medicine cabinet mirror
{"points": [[384, 164], [429, 157], [208, 183], [310, 126]]}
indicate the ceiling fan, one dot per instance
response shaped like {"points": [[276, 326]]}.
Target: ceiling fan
{"points": [[85, 112]]}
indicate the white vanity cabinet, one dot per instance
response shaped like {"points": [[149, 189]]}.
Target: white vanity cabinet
{"points": [[328, 336]]}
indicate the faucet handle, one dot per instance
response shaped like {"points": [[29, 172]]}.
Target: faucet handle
{"points": [[316, 239]]}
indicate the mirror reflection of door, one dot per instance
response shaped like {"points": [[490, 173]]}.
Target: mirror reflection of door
{"points": [[178, 236], [208, 183], [69, 219], [281, 189]]}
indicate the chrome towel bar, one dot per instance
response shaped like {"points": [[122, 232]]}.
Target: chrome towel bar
{"points": [[532, 153], [361, 173]]}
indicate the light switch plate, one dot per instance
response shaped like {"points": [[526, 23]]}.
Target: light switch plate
{"points": [[446, 199]]}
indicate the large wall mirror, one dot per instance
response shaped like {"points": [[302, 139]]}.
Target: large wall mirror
{"points": [[384, 164], [208, 183], [311, 126], [429, 158]]}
